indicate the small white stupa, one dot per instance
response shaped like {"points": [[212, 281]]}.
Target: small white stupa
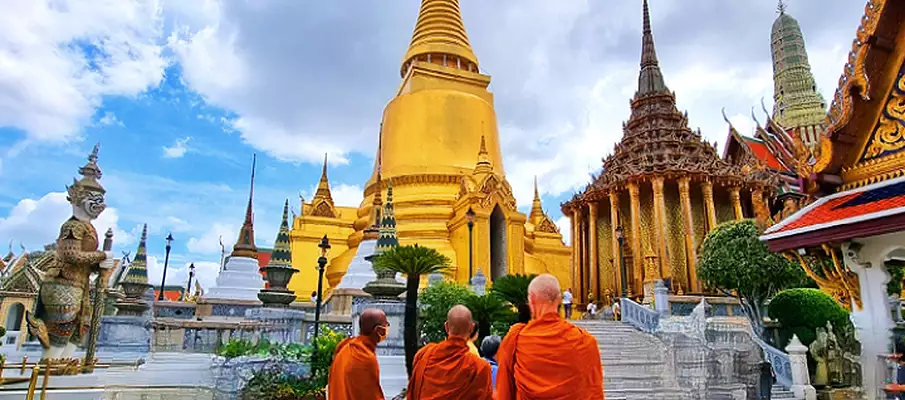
{"points": [[240, 278]]}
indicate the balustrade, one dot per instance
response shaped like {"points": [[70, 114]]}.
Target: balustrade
{"points": [[639, 316]]}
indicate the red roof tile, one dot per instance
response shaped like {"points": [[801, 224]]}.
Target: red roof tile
{"points": [[762, 152], [854, 204]]}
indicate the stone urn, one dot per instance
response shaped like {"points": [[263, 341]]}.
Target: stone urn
{"points": [[276, 294], [133, 304]]}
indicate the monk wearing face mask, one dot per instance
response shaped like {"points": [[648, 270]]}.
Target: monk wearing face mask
{"points": [[354, 374]]}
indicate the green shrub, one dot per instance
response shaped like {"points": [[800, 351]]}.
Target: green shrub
{"points": [[492, 315], [436, 300], [265, 348], [801, 311], [514, 289]]}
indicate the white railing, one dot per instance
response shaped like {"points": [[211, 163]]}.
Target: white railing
{"points": [[639, 316], [779, 361]]}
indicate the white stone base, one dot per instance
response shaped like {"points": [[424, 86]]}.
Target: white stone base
{"points": [[360, 271], [239, 280]]}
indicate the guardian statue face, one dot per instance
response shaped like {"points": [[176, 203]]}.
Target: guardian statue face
{"points": [[94, 204]]}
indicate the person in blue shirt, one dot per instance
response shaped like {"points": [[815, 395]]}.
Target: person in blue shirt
{"points": [[489, 347]]}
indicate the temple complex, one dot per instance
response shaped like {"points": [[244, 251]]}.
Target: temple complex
{"points": [[439, 144], [847, 238], [665, 187]]}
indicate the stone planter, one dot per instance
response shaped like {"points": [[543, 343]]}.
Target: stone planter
{"points": [[232, 374]]}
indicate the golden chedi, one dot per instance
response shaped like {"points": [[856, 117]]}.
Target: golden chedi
{"points": [[665, 187], [439, 144]]}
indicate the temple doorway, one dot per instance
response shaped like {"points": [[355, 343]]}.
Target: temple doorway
{"points": [[14, 317], [498, 257]]}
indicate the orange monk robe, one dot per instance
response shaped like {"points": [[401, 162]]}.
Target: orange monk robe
{"points": [[448, 370], [354, 374], [549, 358]]}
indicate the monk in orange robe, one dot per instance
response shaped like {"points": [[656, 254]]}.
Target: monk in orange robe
{"points": [[548, 358], [449, 370], [354, 374]]}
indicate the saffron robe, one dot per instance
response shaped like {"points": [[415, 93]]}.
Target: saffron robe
{"points": [[549, 358], [449, 370], [354, 374]]}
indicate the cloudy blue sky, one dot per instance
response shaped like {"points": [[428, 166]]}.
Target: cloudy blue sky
{"points": [[180, 93]]}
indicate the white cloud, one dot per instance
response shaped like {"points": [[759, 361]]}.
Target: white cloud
{"points": [[209, 241], [50, 85], [565, 228], [35, 223], [178, 272], [109, 118], [344, 195], [178, 149]]}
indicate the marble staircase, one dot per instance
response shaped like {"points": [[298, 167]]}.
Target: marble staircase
{"points": [[636, 365]]}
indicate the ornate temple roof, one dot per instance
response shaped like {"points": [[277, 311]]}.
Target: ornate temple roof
{"points": [[657, 140], [538, 218], [322, 203], [281, 255], [138, 269], [245, 244], [439, 32]]}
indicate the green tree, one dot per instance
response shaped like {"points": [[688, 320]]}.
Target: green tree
{"points": [[514, 289], [436, 300], [801, 311], [733, 259], [413, 261], [488, 310]]}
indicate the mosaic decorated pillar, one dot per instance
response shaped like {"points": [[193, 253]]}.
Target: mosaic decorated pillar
{"points": [[576, 261], [736, 200], [614, 222], [593, 267], [637, 273], [707, 191], [688, 218], [660, 229]]}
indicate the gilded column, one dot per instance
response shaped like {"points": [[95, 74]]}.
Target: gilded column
{"points": [[707, 190], [637, 274], [593, 267], [761, 214], [614, 222], [660, 230], [736, 200], [582, 285], [576, 262], [691, 257]]}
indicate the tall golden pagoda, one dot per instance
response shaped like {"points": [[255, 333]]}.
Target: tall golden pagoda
{"points": [[665, 187], [439, 144]]}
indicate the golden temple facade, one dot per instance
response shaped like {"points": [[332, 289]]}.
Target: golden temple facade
{"points": [[439, 145], [665, 187]]}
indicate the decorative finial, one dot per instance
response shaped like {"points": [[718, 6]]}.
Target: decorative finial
{"points": [[781, 7], [536, 194]]}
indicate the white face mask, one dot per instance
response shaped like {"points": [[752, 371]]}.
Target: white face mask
{"points": [[94, 205]]}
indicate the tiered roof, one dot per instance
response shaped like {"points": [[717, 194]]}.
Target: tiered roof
{"points": [[138, 269]]}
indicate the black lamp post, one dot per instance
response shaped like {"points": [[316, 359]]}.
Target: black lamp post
{"points": [[620, 237], [321, 263], [166, 262], [469, 216], [188, 286]]}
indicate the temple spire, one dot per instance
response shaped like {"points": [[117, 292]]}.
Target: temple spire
{"points": [[281, 255], [440, 34], [537, 210], [651, 78], [781, 7], [323, 186], [245, 245], [387, 238], [138, 270], [484, 165]]}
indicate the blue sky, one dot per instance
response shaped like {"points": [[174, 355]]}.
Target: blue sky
{"points": [[180, 94]]}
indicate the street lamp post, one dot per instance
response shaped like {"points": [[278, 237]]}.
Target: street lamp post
{"points": [[321, 263], [166, 262], [469, 216], [188, 286], [620, 237]]}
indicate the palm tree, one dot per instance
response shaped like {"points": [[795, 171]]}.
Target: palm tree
{"points": [[413, 261], [514, 289], [486, 310]]}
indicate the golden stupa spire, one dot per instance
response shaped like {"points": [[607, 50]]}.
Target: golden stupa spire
{"points": [[440, 32], [245, 245], [537, 210], [323, 187], [484, 165]]}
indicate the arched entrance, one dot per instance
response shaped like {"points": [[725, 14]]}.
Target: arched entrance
{"points": [[13, 323], [498, 257]]}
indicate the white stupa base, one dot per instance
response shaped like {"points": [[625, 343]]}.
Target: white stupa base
{"points": [[360, 271], [239, 280]]}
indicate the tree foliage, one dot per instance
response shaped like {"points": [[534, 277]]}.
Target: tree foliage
{"points": [[801, 311], [490, 312], [436, 300], [514, 289], [732, 258], [413, 261]]}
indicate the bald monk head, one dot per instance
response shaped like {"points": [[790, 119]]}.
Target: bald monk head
{"points": [[459, 322], [543, 295], [373, 323]]}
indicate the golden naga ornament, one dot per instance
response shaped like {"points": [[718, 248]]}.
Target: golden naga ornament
{"points": [[889, 135]]}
